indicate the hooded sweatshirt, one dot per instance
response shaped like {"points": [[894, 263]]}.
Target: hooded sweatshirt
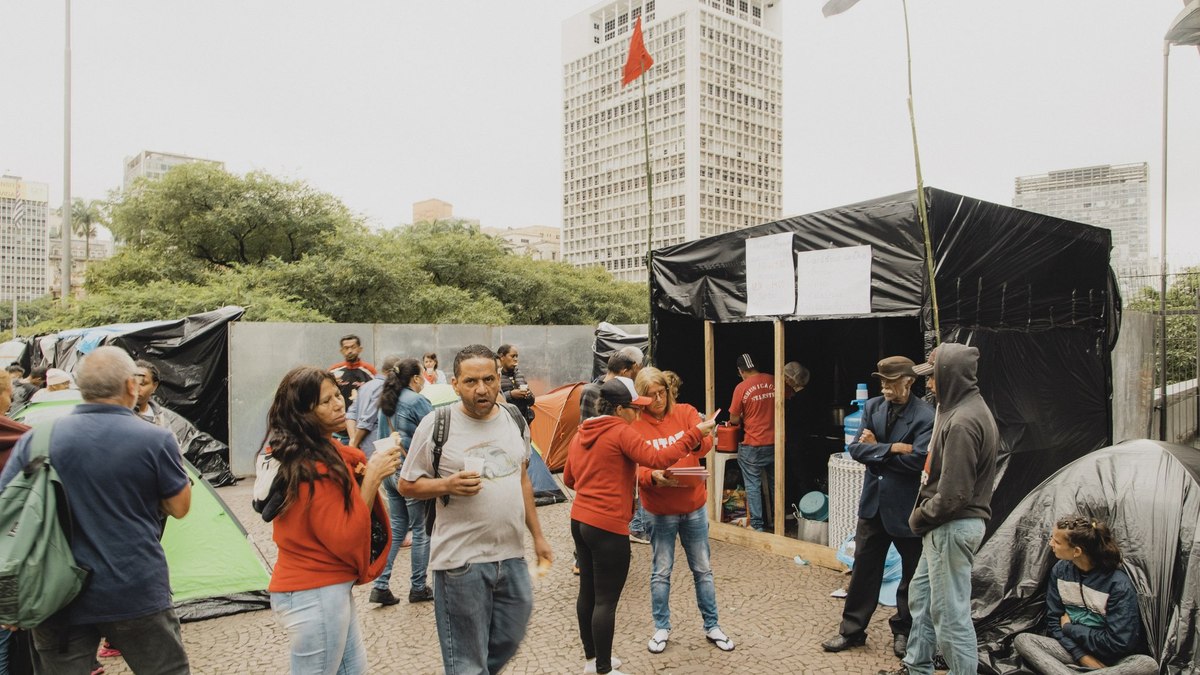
{"points": [[691, 493], [960, 468], [600, 468]]}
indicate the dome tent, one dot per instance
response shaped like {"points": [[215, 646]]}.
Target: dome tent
{"points": [[1149, 493]]}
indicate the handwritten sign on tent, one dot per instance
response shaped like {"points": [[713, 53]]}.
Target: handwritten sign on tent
{"points": [[770, 284], [833, 281]]}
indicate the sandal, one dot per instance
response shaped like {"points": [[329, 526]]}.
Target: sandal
{"points": [[718, 637], [658, 641]]}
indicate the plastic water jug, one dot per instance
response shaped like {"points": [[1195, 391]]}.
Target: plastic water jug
{"points": [[852, 421]]}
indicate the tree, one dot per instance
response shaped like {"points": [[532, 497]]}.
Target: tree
{"points": [[1181, 329], [85, 216], [224, 220]]}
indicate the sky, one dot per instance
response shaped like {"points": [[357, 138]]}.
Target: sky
{"points": [[385, 103]]}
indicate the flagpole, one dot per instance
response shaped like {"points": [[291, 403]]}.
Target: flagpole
{"points": [[649, 215], [65, 269], [922, 212]]}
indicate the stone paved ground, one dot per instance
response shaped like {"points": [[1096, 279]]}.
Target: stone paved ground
{"points": [[776, 611]]}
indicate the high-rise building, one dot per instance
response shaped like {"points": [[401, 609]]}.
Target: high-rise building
{"points": [[23, 210], [714, 97], [152, 165], [1112, 196]]}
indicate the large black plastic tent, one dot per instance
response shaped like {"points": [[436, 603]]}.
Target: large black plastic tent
{"points": [[1034, 293], [1149, 493]]}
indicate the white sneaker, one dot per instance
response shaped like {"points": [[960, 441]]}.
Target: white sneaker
{"points": [[589, 666], [718, 637], [658, 641]]}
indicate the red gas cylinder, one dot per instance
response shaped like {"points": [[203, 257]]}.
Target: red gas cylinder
{"points": [[727, 437]]}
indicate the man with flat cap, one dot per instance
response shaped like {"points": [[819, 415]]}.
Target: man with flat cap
{"points": [[892, 442]]}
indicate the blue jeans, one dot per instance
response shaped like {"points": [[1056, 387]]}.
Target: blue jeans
{"points": [[482, 611], [637, 524], [939, 597], [405, 515], [692, 529], [323, 630], [754, 459]]}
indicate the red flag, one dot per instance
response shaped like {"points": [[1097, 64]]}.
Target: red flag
{"points": [[639, 60]]}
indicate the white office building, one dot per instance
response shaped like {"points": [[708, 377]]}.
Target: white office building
{"points": [[715, 96], [23, 238], [153, 165]]}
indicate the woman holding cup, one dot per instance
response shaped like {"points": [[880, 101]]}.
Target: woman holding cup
{"points": [[401, 409]]}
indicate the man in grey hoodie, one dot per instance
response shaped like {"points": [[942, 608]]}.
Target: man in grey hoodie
{"points": [[953, 506]]}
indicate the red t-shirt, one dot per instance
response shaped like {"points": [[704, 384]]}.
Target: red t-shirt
{"points": [[320, 543], [754, 401]]}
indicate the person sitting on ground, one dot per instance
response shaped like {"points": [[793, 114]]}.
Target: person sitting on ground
{"points": [[322, 523], [401, 409], [1092, 616], [432, 374], [675, 509], [601, 465]]}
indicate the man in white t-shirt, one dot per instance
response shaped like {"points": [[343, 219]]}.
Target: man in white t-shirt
{"points": [[483, 597]]}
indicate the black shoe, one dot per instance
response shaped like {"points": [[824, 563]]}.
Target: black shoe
{"points": [[902, 670], [843, 642], [899, 645], [384, 597], [423, 595]]}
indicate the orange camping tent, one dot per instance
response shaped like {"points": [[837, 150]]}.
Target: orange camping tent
{"points": [[555, 423]]}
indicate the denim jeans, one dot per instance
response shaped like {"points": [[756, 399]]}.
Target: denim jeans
{"points": [[482, 611], [322, 628], [637, 524], [405, 514], [692, 529], [939, 598], [149, 644], [754, 459]]}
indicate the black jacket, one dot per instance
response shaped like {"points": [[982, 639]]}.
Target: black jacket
{"points": [[891, 481], [961, 466]]}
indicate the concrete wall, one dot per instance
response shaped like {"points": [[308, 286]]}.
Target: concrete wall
{"points": [[261, 353], [1133, 377]]}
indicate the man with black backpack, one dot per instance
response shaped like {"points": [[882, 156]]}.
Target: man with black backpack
{"points": [[470, 461], [118, 474]]}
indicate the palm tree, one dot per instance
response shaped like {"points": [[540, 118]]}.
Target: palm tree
{"points": [[85, 216]]}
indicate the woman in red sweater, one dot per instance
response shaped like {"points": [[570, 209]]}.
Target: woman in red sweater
{"points": [[675, 505], [601, 466], [323, 525]]}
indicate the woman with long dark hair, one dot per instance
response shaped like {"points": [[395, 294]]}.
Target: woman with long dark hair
{"points": [[600, 467], [324, 500], [401, 409], [1092, 616]]}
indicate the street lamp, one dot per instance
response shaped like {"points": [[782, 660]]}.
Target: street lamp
{"points": [[1184, 30]]}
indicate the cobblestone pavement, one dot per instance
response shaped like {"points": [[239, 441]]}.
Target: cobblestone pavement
{"points": [[776, 611]]}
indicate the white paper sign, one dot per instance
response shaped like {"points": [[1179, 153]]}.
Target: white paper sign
{"points": [[770, 283], [833, 281]]}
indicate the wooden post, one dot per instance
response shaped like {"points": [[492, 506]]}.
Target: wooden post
{"points": [[710, 402], [780, 386]]}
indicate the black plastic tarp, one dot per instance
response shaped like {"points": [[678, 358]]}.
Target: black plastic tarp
{"points": [[609, 339], [1149, 493], [192, 358], [1033, 292]]}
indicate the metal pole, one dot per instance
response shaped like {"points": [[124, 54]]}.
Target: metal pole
{"points": [[1162, 263], [66, 207]]}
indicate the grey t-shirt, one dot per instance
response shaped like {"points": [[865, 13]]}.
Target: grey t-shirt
{"points": [[488, 526]]}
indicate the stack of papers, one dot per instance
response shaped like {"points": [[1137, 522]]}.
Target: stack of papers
{"points": [[689, 471]]}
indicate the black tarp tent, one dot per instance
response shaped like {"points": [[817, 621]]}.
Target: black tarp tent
{"points": [[1149, 493], [192, 357], [1034, 293], [610, 339]]}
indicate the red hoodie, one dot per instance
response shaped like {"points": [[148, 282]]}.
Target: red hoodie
{"points": [[601, 463], [692, 493]]}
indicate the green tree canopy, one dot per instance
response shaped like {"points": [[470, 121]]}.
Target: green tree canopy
{"points": [[1181, 329]]}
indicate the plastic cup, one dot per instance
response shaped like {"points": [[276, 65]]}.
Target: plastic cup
{"points": [[385, 444], [473, 465]]}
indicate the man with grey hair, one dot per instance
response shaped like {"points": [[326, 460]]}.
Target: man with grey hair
{"points": [[121, 474], [625, 362], [362, 418]]}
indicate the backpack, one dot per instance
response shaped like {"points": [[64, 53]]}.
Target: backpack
{"points": [[441, 432], [38, 574]]}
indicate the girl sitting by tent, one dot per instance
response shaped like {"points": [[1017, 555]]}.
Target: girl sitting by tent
{"points": [[1092, 616]]}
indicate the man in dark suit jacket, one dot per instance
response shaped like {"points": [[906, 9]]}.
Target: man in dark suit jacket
{"points": [[892, 442]]}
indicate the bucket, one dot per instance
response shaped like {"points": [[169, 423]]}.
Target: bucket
{"points": [[813, 531], [814, 506], [727, 437]]}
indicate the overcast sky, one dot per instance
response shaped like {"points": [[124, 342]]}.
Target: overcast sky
{"points": [[387, 103]]}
